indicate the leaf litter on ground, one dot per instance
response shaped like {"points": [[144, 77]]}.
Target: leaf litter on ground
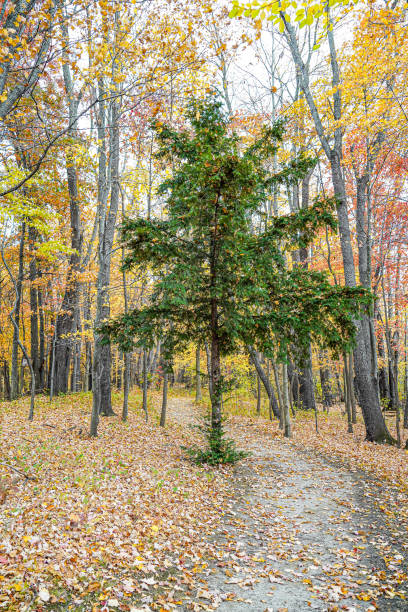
{"points": [[125, 522]]}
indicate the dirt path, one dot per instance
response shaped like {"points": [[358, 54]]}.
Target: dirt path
{"points": [[299, 533]]}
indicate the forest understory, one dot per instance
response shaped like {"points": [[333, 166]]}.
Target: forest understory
{"points": [[207, 196], [126, 522]]}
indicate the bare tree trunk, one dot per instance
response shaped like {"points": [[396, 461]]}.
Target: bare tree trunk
{"points": [[347, 388], [6, 379], [164, 398], [16, 317], [376, 429], [294, 383], [34, 336], [198, 393], [126, 356], [340, 389], [88, 344], [352, 397], [101, 381], [325, 384], [285, 397], [307, 396], [208, 355], [20, 345], [258, 394], [406, 373], [144, 405], [42, 356], [273, 404], [280, 397], [67, 317]]}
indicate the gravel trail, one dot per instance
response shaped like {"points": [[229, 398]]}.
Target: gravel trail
{"points": [[300, 533]]}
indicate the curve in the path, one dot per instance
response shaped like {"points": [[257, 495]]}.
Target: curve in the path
{"points": [[300, 534]]}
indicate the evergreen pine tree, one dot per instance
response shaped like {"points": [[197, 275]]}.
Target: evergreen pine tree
{"points": [[217, 280]]}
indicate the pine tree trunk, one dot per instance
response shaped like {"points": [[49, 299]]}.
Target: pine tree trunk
{"points": [[216, 381], [208, 355]]}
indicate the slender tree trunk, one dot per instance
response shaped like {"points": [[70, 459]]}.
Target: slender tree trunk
{"points": [[280, 397], [376, 429], [67, 317], [216, 380], [88, 344], [198, 393], [273, 404], [126, 356], [12, 315], [34, 335], [164, 398], [347, 389], [383, 383], [52, 362], [307, 397], [352, 396], [258, 394], [101, 381], [145, 384], [294, 383], [6, 379], [16, 315], [208, 355], [42, 356], [325, 383], [126, 381], [406, 373], [285, 397], [340, 389]]}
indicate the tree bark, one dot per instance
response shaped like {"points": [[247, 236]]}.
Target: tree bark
{"points": [[101, 382], [198, 392], [307, 396], [347, 394], [67, 317], [265, 381], [145, 381], [285, 397], [16, 316], [376, 430], [34, 331], [258, 394], [164, 397], [324, 372], [6, 379]]}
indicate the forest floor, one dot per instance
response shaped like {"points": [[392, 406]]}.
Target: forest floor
{"points": [[125, 522]]}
